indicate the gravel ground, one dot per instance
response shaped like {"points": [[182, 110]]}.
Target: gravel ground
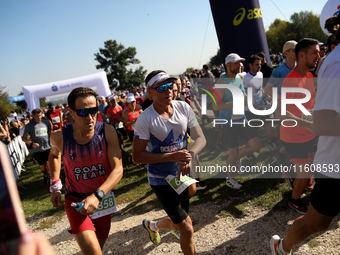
{"points": [[248, 234]]}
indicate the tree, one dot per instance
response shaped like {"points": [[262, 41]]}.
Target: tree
{"points": [[114, 59], [217, 59], [189, 69], [302, 25], [5, 106]]}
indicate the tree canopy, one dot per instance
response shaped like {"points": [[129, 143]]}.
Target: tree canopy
{"points": [[217, 59], [114, 58], [304, 24], [5, 106]]}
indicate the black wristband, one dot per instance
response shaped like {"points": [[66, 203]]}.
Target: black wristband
{"points": [[192, 154]]}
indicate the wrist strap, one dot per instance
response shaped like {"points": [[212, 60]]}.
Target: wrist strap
{"points": [[55, 185]]}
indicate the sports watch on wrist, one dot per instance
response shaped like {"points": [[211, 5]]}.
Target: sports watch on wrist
{"points": [[99, 194], [192, 154]]}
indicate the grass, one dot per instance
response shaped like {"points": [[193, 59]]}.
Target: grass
{"points": [[135, 190]]}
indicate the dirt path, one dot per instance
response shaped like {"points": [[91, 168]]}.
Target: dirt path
{"points": [[249, 234]]}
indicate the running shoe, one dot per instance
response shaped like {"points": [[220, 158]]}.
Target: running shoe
{"points": [[251, 157], [176, 234], [153, 235], [298, 205], [201, 185], [310, 185], [232, 183], [274, 245]]}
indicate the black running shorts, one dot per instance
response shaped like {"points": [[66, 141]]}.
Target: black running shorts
{"points": [[176, 206], [323, 195], [302, 153], [41, 157], [230, 134]]}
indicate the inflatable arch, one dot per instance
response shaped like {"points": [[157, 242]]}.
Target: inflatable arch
{"points": [[331, 8], [33, 93]]}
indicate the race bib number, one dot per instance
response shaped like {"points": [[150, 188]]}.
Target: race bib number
{"points": [[56, 120], [179, 186], [39, 132], [119, 125], [106, 206], [308, 117]]}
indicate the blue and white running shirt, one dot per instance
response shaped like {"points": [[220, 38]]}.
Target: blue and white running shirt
{"points": [[164, 135]]}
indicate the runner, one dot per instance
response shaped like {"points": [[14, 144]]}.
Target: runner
{"points": [[92, 166], [54, 115], [39, 130], [300, 141], [324, 205], [162, 129]]}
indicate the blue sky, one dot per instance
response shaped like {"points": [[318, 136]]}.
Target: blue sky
{"points": [[47, 41]]}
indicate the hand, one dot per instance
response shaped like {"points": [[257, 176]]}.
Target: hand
{"points": [[181, 157], [56, 199], [184, 169], [310, 127], [35, 244], [91, 205], [35, 145]]}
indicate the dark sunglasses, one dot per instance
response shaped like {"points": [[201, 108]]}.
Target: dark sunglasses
{"points": [[164, 87], [86, 111]]}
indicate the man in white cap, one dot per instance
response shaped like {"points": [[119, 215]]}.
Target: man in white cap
{"points": [[236, 124], [163, 128], [101, 107]]}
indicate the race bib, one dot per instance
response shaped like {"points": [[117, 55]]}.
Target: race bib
{"points": [[56, 120], [308, 117], [39, 132], [179, 186], [106, 206], [119, 125]]}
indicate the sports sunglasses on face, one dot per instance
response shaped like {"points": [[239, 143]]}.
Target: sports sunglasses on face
{"points": [[164, 87], [86, 111]]}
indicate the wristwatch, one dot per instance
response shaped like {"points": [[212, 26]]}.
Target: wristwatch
{"points": [[99, 194], [192, 154]]}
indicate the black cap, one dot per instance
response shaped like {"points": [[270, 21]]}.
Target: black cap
{"points": [[51, 105]]}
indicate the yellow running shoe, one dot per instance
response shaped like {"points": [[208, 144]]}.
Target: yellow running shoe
{"points": [[154, 235]]}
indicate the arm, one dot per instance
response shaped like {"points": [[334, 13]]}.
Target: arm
{"points": [[115, 159], [268, 89], [326, 123], [225, 106], [200, 141], [3, 132], [300, 122], [54, 160], [140, 155], [126, 119]]}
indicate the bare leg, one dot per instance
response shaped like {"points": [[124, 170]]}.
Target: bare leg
{"points": [[88, 243], [253, 145], [185, 230], [304, 226]]}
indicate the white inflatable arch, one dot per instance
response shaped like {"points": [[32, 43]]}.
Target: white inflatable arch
{"points": [[33, 93]]}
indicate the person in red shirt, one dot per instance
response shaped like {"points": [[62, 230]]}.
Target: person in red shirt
{"points": [[115, 115], [298, 136], [131, 114], [55, 116]]}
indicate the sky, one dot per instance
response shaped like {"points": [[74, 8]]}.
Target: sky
{"points": [[47, 41]]}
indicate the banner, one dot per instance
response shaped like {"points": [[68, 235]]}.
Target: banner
{"points": [[33, 93], [239, 28], [17, 151]]}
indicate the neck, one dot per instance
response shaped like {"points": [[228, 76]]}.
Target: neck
{"points": [[290, 63], [301, 69], [162, 109], [231, 76], [252, 72]]}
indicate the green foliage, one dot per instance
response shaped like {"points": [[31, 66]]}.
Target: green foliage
{"points": [[114, 59], [5, 106], [189, 69], [43, 102], [217, 59], [302, 25]]}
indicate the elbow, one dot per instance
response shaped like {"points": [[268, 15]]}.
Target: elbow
{"points": [[135, 158], [317, 129]]}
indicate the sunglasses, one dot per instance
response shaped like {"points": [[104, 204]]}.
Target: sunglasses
{"points": [[86, 111], [164, 87]]}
